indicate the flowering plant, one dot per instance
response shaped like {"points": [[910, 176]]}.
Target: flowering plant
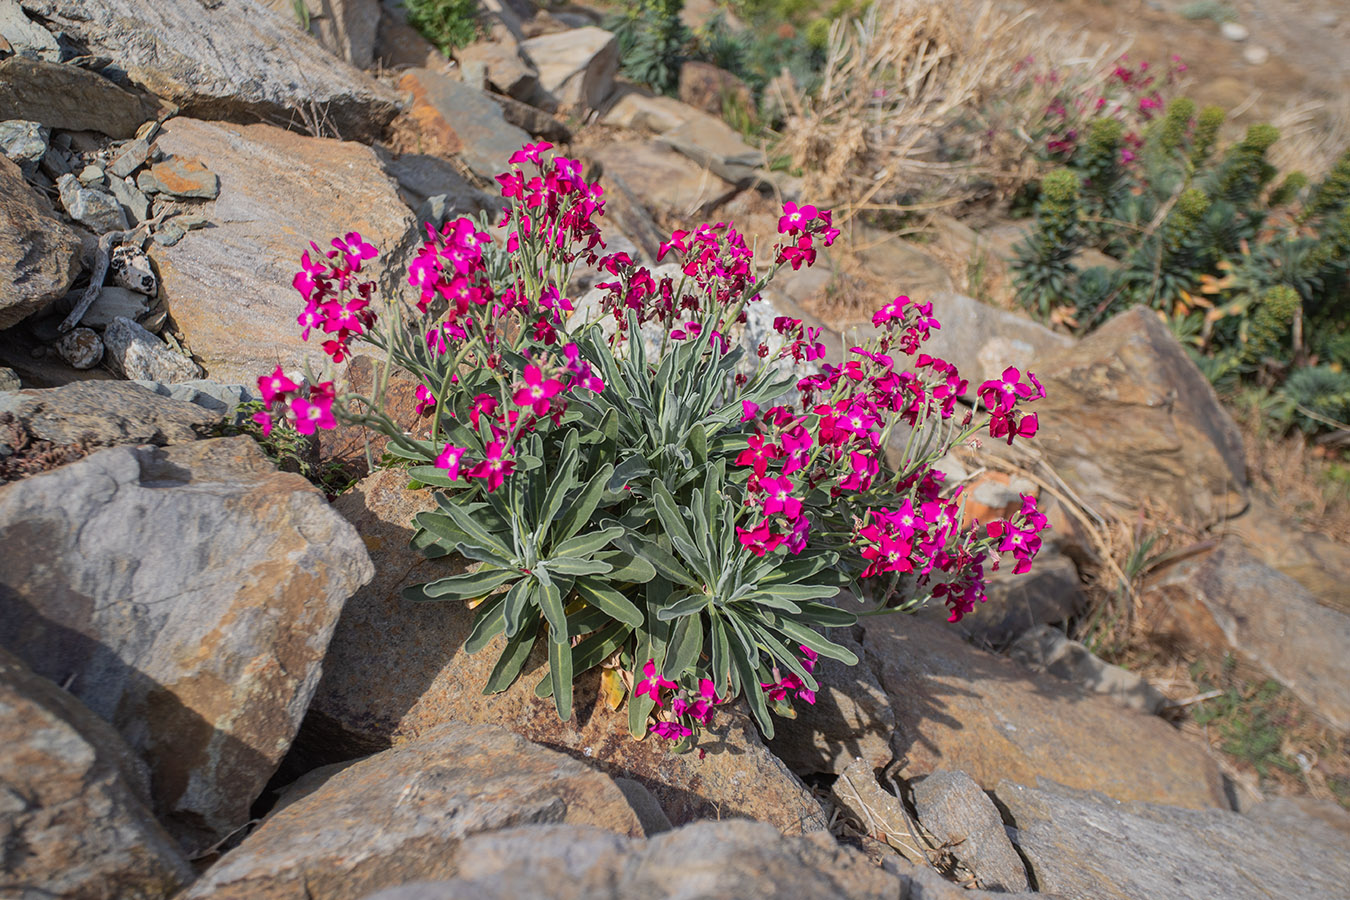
{"points": [[641, 486]]}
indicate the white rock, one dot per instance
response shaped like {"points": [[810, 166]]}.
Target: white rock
{"points": [[1234, 31], [1255, 54]]}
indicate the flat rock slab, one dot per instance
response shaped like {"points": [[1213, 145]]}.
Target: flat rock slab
{"points": [[106, 412], [402, 815], [463, 120], [1273, 621], [983, 340], [957, 707], [576, 67], [1083, 846], [670, 183], [957, 813], [39, 254], [232, 60], [68, 97], [186, 595], [706, 860], [73, 815], [713, 143], [229, 286], [1128, 416], [396, 668]]}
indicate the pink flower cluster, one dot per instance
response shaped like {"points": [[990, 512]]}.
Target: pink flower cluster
{"points": [[1001, 399], [790, 683], [687, 708], [802, 225], [307, 409], [335, 302]]}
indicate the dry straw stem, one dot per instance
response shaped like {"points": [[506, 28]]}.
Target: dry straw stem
{"points": [[1312, 136], [915, 84]]}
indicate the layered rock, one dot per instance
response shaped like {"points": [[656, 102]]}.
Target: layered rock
{"points": [[39, 255], [106, 412], [186, 595], [69, 97]]}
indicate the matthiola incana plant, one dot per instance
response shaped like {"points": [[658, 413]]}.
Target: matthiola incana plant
{"points": [[636, 485]]}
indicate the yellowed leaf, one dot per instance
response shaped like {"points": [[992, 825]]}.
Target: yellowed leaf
{"points": [[612, 687]]}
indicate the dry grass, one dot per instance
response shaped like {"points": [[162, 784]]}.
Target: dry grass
{"points": [[929, 93], [1312, 136], [1297, 477]]}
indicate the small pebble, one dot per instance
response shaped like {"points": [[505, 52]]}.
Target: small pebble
{"points": [[91, 175], [82, 348], [1255, 54], [1234, 32]]}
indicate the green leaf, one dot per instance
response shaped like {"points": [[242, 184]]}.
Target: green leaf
{"points": [[689, 605], [468, 528], [774, 646], [468, 585], [563, 479], [748, 671], [513, 657], [583, 505], [720, 653], [666, 565], [797, 591], [600, 595], [598, 647], [584, 545], [673, 524], [517, 602], [560, 673], [631, 469], [686, 645], [822, 615], [798, 568], [626, 568], [573, 566], [813, 639], [430, 475], [549, 597], [764, 599], [489, 621]]}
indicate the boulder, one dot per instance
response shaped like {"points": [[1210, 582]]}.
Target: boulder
{"points": [[533, 120], [95, 209], [421, 177], [400, 46], [1316, 561], [186, 595], [24, 36], [488, 64], [576, 68], [25, 143], [669, 183], [137, 355], [717, 146], [707, 860], [1084, 846], [107, 413], [428, 796], [346, 28], [1047, 649], [229, 286], [68, 97], [1129, 418], [635, 108], [709, 88], [1266, 617], [983, 340], [397, 668], [234, 60], [112, 302], [73, 819], [463, 120], [961, 816], [39, 254], [957, 707], [81, 348]]}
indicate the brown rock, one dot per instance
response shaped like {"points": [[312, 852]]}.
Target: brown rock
{"points": [[498, 66], [67, 97], [107, 412], [670, 183], [957, 707], [180, 178], [713, 143], [39, 254], [534, 121], [190, 607], [229, 286], [576, 68], [706, 87], [1316, 561], [427, 797], [960, 815], [635, 108], [396, 669], [346, 445], [74, 818], [1128, 418], [462, 119]]}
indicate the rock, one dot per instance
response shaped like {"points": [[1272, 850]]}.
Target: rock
{"points": [[463, 120], [428, 796], [706, 87], [717, 146], [113, 302], [221, 399], [132, 156], [400, 46], [983, 340], [67, 97], [1082, 845], [1324, 821], [576, 68], [1269, 619], [669, 183], [229, 286], [39, 255], [9, 380], [1255, 54], [180, 178], [1232, 31], [851, 718], [346, 28], [956, 812], [534, 121], [231, 60], [624, 208], [91, 176], [1049, 593], [203, 653], [24, 142], [129, 267], [397, 668], [136, 354], [26, 37], [347, 445], [421, 177], [96, 210], [57, 162], [1046, 649], [957, 707], [82, 348], [1315, 561], [487, 64], [106, 412], [708, 860], [1128, 416], [74, 815], [135, 204], [641, 111]]}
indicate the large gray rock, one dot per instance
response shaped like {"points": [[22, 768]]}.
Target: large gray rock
{"points": [[229, 286], [186, 595], [983, 340], [106, 412], [714, 144], [97, 210], [68, 97], [24, 142], [576, 67], [957, 813], [137, 355], [1047, 649], [233, 60], [732, 860], [1083, 846], [39, 254], [346, 28], [25, 36], [1271, 620], [669, 183], [427, 797], [463, 120], [73, 817]]}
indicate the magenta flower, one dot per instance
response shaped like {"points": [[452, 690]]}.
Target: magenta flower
{"points": [[653, 683], [313, 414], [530, 153], [536, 391], [426, 401], [449, 461], [748, 410], [671, 731], [275, 386], [759, 540], [264, 421], [354, 250], [495, 467]]}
